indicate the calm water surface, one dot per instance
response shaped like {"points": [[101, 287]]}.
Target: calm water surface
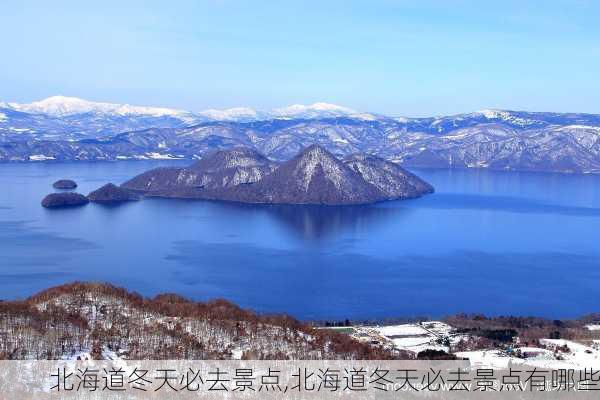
{"points": [[490, 242]]}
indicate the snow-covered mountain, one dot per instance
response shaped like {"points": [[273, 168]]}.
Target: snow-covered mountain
{"points": [[74, 118], [296, 111], [71, 118], [314, 176], [61, 106], [64, 106], [498, 139], [318, 111], [240, 114]]}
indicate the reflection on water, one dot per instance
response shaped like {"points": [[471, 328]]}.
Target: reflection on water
{"points": [[320, 222]]}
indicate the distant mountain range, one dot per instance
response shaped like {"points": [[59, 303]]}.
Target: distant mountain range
{"points": [[63, 128], [314, 176]]}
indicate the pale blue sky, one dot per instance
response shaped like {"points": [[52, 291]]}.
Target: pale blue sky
{"points": [[396, 57]]}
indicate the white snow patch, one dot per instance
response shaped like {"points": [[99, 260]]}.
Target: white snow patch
{"points": [[236, 354], [579, 127], [158, 156], [307, 167], [40, 157], [593, 327], [232, 114], [494, 114], [299, 109]]}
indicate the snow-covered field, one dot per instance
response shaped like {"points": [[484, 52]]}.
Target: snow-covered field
{"points": [[415, 337], [593, 327], [557, 354], [435, 335]]}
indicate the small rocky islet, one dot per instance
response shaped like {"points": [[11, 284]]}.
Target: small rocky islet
{"points": [[107, 194], [111, 194], [65, 184], [62, 200], [314, 177]]}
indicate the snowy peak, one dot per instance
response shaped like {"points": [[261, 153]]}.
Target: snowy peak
{"points": [[312, 111], [318, 110], [315, 159], [522, 119], [316, 151], [233, 114], [61, 106], [494, 114], [296, 111], [316, 176]]}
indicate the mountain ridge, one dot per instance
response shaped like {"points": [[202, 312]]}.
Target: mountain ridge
{"points": [[63, 106], [494, 139]]}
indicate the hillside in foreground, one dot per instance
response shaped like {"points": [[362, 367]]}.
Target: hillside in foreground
{"points": [[101, 321]]}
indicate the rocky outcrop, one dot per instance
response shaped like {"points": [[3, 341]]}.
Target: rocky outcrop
{"points": [[110, 194], [60, 200], [64, 184], [390, 178], [216, 171], [314, 176]]}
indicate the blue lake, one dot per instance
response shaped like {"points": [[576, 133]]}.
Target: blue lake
{"points": [[486, 242]]}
